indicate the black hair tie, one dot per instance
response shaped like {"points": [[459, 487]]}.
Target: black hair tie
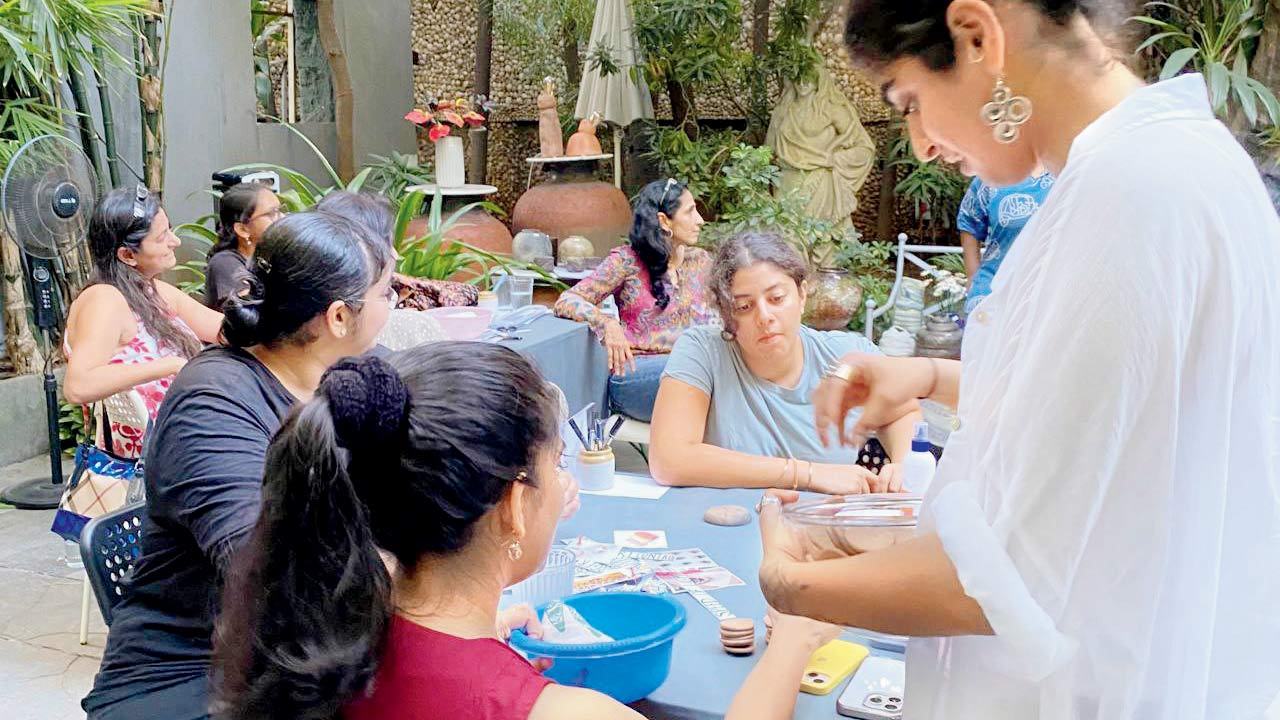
{"points": [[368, 402]]}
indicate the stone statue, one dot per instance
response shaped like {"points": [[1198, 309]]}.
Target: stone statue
{"points": [[585, 142], [821, 147], [549, 137]]}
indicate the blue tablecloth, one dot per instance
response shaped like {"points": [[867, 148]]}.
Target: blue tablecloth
{"points": [[703, 677], [568, 355]]}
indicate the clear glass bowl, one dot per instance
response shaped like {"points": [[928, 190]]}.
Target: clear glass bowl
{"points": [[843, 526]]}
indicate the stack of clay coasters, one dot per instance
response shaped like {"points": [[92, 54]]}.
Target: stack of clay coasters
{"points": [[738, 636]]}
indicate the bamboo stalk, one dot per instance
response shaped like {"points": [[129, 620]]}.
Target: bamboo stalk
{"points": [[150, 94], [108, 119], [84, 121]]}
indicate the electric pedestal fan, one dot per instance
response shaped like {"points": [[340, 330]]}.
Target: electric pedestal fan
{"points": [[48, 193]]}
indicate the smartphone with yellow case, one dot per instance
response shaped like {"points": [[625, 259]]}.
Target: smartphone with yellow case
{"points": [[830, 665]]}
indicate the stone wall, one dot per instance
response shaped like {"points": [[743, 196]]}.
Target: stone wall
{"points": [[444, 51]]}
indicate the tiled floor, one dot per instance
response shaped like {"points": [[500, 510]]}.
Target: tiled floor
{"points": [[44, 671]]}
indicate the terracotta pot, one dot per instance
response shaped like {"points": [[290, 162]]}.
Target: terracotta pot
{"points": [[575, 205], [834, 298], [477, 228], [939, 338]]}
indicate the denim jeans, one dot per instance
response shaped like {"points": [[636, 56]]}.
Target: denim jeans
{"points": [[633, 394]]}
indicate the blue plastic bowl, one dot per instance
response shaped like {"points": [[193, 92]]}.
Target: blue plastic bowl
{"points": [[638, 660]]}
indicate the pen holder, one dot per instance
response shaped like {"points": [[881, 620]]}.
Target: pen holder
{"points": [[595, 469]]}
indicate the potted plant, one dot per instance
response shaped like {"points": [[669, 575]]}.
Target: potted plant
{"points": [[426, 251], [443, 120]]}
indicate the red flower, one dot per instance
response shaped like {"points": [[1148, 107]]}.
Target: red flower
{"points": [[437, 131], [474, 119], [417, 117], [453, 117]]}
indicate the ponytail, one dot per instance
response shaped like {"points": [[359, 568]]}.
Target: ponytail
{"points": [[406, 456], [237, 205], [308, 602]]}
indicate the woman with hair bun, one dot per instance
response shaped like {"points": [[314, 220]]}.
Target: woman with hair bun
{"points": [[659, 282], [318, 290]]}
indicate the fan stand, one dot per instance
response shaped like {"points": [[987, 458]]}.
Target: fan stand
{"points": [[43, 493]]}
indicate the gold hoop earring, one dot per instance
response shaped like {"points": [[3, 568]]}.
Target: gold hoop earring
{"points": [[1006, 113], [514, 551]]}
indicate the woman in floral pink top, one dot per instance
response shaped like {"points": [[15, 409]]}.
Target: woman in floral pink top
{"points": [[659, 283], [127, 329]]}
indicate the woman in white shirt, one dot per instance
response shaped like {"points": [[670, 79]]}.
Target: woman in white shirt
{"points": [[1102, 538]]}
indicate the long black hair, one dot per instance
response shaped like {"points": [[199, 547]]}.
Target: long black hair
{"points": [[113, 226], [405, 456], [647, 238], [305, 262], [237, 205]]}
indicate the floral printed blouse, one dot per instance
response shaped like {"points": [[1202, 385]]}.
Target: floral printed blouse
{"points": [[649, 329]]}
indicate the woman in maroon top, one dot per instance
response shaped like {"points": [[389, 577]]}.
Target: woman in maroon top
{"points": [[443, 457]]}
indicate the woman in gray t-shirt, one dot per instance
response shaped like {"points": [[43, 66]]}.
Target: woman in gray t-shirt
{"points": [[734, 406]]}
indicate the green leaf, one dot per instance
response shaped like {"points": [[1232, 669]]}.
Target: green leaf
{"points": [[1177, 61], [359, 180], [1157, 38], [1219, 86]]}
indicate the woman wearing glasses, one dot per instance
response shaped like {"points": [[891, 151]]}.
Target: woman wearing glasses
{"points": [[128, 330], [659, 282], [319, 289], [245, 212]]}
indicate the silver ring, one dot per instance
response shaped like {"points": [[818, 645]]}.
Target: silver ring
{"points": [[767, 500]]}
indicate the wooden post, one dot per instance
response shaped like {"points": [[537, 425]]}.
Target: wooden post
{"points": [[478, 160], [343, 95]]}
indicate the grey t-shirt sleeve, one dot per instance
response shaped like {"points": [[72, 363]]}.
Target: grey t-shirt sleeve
{"points": [[693, 359]]}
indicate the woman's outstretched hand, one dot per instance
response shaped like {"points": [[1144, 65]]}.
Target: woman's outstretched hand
{"points": [[885, 388]]}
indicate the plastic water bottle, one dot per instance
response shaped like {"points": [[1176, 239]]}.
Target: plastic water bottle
{"points": [[918, 469]]}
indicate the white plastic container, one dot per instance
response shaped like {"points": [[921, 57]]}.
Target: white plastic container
{"points": [[918, 468]]}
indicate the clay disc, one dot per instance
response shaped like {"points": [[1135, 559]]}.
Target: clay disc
{"points": [[727, 515], [738, 642], [737, 625], [741, 651]]}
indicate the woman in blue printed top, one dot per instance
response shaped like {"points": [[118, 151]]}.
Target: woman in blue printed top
{"points": [[992, 217]]}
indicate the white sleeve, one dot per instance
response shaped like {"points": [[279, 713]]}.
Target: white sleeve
{"points": [[1078, 373]]}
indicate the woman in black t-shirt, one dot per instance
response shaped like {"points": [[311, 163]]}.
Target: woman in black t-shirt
{"points": [[245, 213], [319, 290]]}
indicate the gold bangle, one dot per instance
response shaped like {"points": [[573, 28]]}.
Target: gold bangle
{"points": [[795, 479], [809, 483], [782, 475]]}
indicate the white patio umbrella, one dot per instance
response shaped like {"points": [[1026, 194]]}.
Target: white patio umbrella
{"points": [[621, 97]]}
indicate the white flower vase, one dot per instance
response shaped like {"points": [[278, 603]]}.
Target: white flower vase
{"points": [[450, 162]]}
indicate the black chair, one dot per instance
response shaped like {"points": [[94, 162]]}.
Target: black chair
{"points": [[110, 545]]}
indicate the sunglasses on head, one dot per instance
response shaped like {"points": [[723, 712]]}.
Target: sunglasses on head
{"points": [[671, 182], [140, 195]]}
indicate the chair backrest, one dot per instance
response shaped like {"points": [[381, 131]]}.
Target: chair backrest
{"points": [[110, 546]]}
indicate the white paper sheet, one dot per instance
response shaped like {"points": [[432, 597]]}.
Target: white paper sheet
{"points": [[630, 485]]}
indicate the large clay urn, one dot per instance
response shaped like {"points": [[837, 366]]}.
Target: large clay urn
{"points": [[476, 228], [572, 202]]}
